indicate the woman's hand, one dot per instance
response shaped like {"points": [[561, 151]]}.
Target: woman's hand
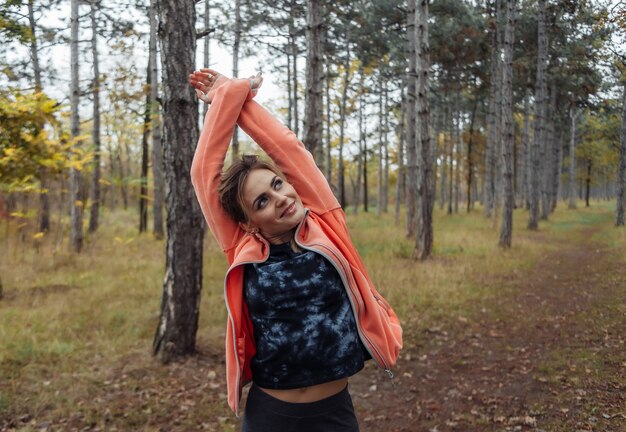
{"points": [[207, 81]]}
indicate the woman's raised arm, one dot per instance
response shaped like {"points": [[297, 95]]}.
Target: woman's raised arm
{"points": [[208, 160]]}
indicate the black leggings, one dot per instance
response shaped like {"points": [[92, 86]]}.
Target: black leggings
{"points": [[265, 413]]}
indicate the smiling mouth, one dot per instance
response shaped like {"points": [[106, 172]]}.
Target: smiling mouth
{"points": [[290, 208]]}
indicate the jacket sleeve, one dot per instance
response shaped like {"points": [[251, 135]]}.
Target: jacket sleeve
{"points": [[290, 155], [208, 160]]}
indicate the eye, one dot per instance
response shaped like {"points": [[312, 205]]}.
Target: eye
{"points": [[261, 202], [278, 184]]}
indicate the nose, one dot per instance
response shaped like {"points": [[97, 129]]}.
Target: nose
{"points": [[281, 199]]}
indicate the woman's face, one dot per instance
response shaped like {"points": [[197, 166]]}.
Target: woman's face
{"points": [[272, 205]]}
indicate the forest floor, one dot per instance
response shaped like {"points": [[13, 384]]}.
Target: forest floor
{"points": [[546, 353], [538, 348]]}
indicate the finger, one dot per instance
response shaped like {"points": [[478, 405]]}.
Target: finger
{"points": [[203, 97]]}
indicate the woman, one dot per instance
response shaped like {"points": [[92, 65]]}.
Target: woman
{"points": [[303, 315]]}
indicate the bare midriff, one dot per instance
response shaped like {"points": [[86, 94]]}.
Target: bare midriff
{"points": [[308, 394]]}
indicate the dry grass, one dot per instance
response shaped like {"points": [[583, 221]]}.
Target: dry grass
{"points": [[68, 322]]}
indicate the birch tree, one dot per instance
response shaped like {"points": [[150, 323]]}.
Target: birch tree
{"points": [[76, 202], [157, 149]]}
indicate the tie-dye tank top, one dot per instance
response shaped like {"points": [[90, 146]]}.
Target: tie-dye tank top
{"points": [[304, 328]]}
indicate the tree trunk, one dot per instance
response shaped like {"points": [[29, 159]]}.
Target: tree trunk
{"points": [[379, 201], [470, 159], [621, 176], [459, 146], [123, 180], [553, 147], [157, 148], [424, 243], [444, 155], [548, 154], [451, 166], [95, 179], [571, 190], [540, 112], [178, 323], [313, 110], [508, 132], [342, 124], [411, 118], [525, 156], [329, 162], [289, 96], [386, 149], [294, 75], [206, 48], [401, 185], [489, 198], [143, 193], [359, 169], [237, 30], [76, 205], [44, 197], [557, 156], [588, 183]]}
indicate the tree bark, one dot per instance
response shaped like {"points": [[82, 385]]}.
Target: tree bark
{"points": [[157, 147], [206, 48], [237, 30], [459, 146], [380, 192], [411, 118], [342, 124], [525, 156], [508, 132], [540, 112], [401, 185], [294, 75], [95, 179], [571, 190], [386, 149], [178, 323], [76, 204], [143, 192], [621, 176], [470, 159], [44, 197], [359, 169], [329, 163], [588, 183], [313, 110], [493, 119], [424, 243], [444, 155]]}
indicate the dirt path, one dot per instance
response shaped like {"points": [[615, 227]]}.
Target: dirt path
{"points": [[546, 354]]}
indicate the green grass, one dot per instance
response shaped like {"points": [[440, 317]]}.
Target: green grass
{"points": [[68, 322]]}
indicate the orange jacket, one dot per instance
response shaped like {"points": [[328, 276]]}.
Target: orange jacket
{"points": [[323, 230]]}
